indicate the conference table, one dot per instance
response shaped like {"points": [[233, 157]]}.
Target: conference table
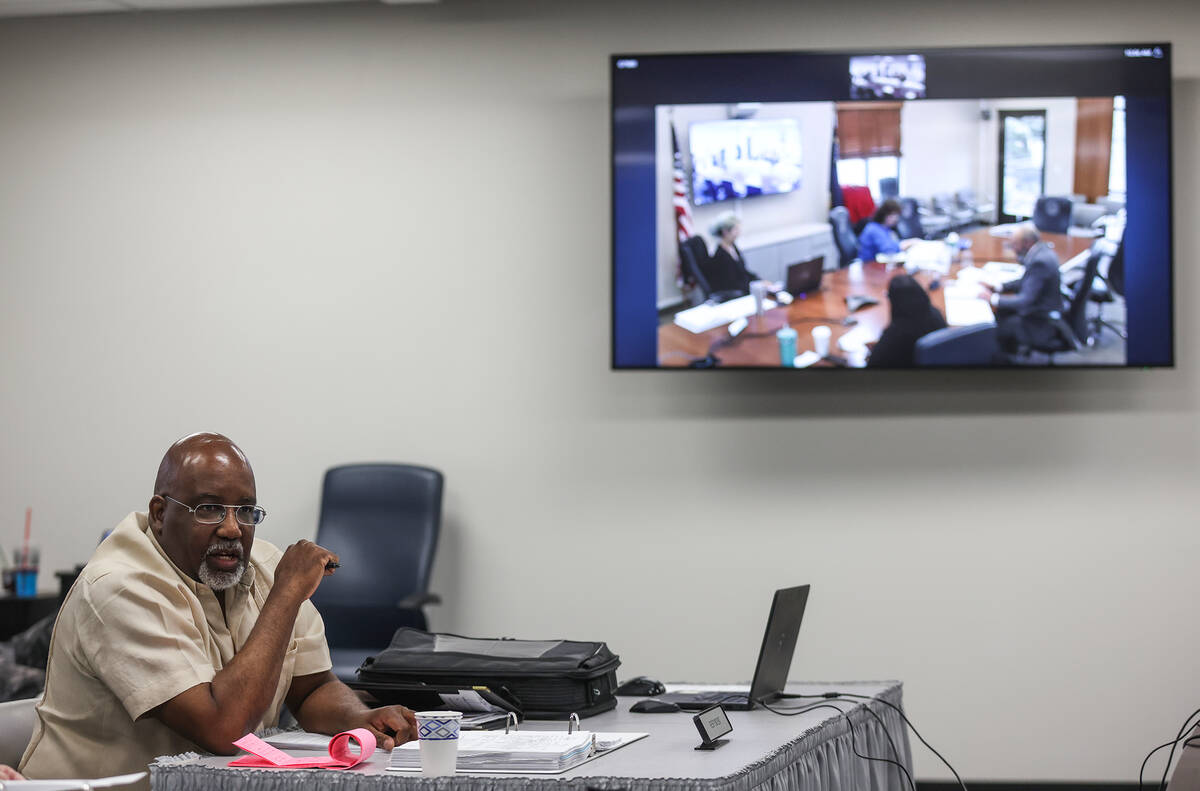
{"points": [[756, 345], [811, 751]]}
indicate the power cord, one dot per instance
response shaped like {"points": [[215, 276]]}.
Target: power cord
{"points": [[1187, 724], [853, 741], [898, 710]]}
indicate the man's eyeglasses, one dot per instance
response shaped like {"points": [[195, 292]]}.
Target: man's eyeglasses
{"points": [[214, 513]]}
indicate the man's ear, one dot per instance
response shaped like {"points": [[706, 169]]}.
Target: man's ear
{"points": [[158, 505]]}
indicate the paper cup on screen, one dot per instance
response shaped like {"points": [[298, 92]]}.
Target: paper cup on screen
{"points": [[437, 732], [820, 335]]}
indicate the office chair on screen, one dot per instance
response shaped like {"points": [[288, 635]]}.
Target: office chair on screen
{"points": [[843, 235], [1106, 288], [910, 226], [693, 257], [382, 520], [889, 188], [1052, 215], [1070, 331], [973, 345]]}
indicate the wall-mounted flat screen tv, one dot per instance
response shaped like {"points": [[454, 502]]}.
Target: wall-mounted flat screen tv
{"points": [[1004, 207], [741, 158]]}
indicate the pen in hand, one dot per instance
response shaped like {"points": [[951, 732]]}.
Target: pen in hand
{"points": [[333, 564]]}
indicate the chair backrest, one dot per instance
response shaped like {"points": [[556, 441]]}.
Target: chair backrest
{"points": [[1052, 214], [1084, 215], [843, 234], [942, 203], [17, 718], [909, 226], [1116, 270], [1077, 311], [973, 345], [383, 522], [966, 199], [693, 254], [889, 188]]}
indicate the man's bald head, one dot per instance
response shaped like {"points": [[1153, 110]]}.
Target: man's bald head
{"points": [[188, 451], [1024, 238], [204, 470]]}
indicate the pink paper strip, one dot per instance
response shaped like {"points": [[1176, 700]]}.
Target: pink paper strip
{"points": [[264, 755]]}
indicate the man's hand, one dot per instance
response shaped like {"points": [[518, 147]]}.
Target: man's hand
{"points": [[392, 725], [8, 773], [301, 570]]}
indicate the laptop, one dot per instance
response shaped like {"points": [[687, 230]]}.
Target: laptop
{"points": [[804, 276], [774, 659]]}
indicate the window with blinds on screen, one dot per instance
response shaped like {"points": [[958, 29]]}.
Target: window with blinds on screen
{"points": [[1005, 207]]}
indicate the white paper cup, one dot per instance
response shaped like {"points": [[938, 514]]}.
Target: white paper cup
{"points": [[820, 336], [437, 732]]}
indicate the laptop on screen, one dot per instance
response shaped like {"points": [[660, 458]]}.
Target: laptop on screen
{"points": [[774, 659], [804, 276]]}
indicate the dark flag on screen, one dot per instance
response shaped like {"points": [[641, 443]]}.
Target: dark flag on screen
{"points": [[684, 229]]}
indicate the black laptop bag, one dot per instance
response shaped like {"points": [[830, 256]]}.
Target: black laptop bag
{"points": [[545, 679]]}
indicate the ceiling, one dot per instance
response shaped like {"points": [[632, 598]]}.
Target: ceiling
{"points": [[27, 8]]}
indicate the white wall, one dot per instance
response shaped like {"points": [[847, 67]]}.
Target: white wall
{"points": [[939, 146], [387, 228], [764, 213]]}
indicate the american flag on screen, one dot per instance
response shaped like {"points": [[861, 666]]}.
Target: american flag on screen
{"points": [[684, 229], [683, 212]]}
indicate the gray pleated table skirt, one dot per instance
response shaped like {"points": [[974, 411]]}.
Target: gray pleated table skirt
{"points": [[813, 751]]}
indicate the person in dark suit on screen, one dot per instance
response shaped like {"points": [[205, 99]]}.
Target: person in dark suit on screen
{"points": [[1024, 307], [726, 269], [913, 316]]}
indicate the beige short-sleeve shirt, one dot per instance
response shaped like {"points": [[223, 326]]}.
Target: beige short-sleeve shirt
{"points": [[135, 632]]}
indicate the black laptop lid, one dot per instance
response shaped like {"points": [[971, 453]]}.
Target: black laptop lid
{"points": [[779, 643], [804, 276]]}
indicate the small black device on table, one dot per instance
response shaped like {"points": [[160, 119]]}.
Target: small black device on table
{"points": [[712, 723]]}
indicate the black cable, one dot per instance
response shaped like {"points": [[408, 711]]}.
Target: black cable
{"points": [[886, 734], [1142, 771], [850, 723], [907, 722], [1178, 737]]}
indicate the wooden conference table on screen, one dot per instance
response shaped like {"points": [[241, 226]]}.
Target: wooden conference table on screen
{"points": [[812, 751], [756, 345]]}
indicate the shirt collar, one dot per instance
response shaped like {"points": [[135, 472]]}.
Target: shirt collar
{"points": [[246, 583]]}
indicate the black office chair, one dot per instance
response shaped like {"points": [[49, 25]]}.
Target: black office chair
{"points": [[973, 345], [1106, 287], [1077, 308], [1070, 331], [843, 235], [909, 226], [382, 520], [889, 188], [1052, 214], [693, 254]]}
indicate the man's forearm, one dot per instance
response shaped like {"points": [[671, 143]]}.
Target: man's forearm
{"points": [[330, 708], [215, 714], [244, 688]]}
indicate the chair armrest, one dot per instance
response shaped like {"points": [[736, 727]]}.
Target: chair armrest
{"points": [[417, 601]]}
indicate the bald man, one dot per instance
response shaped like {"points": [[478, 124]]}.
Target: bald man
{"points": [[1023, 306], [185, 633]]}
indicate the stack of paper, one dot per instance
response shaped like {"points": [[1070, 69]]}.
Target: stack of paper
{"points": [[523, 751], [541, 752], [706, 317], [930, 256]]}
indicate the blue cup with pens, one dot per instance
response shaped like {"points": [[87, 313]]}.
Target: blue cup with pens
{"points": [[787, 346]]}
